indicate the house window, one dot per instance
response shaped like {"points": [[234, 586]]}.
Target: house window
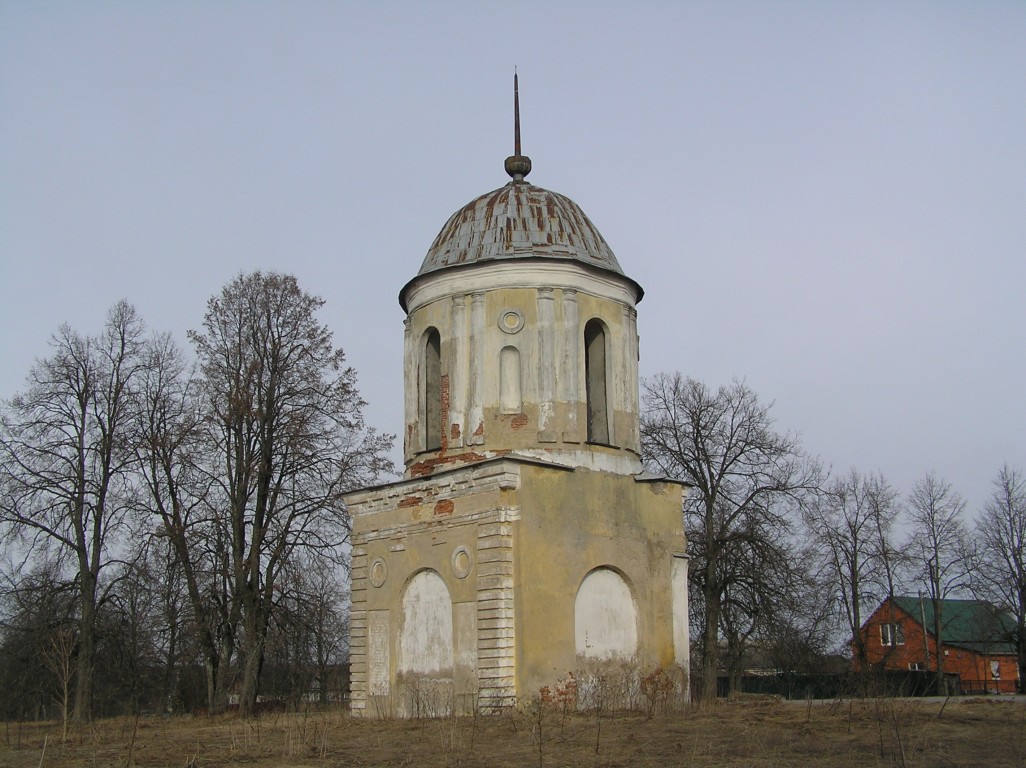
{"points": [[917, 666], [892, 634], [995, 670]]}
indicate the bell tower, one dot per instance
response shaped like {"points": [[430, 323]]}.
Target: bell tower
{"points": [[524, 536]]}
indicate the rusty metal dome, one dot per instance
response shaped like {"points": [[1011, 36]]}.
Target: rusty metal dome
{"points": [[519, 221]]}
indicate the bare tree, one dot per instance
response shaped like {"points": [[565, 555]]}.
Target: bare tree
{"points": [[796, 639], [176, 456], [35, 607], [307, 640], [58, 656], [320, 596], [747, 481], [134, 625], [851, 524], [64, 463], [765, 594], [158, 630], [938, 548], [1000, 572], [286, 420]]}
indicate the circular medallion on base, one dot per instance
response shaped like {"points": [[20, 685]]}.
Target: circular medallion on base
{"points": [[378, 572], [462, 562]]}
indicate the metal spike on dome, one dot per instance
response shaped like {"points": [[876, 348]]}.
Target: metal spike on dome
{"points": [[517, 165], [516, 113]]}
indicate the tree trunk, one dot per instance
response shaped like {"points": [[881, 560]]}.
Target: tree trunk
{"points": [[219, 680], [1022, 663], [734, 677], [252, 655], [169, 684], [710, 644], [1020, 640], [937, 630], [252, 662], [856, 618], [86, 652]]}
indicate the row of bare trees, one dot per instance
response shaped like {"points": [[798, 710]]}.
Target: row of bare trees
{"points": [[195, 503], [163, 514], [785, 556]]}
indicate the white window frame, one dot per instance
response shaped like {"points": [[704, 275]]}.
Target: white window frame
{"points": [[892, 634]]}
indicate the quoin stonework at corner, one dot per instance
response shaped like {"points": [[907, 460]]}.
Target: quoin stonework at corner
{"points": [[524, 542]]}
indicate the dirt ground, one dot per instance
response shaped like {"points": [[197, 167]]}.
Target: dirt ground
{"points": [[760, 732]]}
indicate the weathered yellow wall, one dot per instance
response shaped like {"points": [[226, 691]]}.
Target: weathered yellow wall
{"points": [[571, 525], [437, 523], [562, 524]]}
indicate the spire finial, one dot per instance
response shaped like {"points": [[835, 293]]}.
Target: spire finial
{"points": [[516, 113], [517, 165]]}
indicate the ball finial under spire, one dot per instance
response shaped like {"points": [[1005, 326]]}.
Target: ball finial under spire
{"points": [[517, 165]]}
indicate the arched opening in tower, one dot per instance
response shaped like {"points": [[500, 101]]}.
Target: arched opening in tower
{"points": [[595, 378], [431, 391]]}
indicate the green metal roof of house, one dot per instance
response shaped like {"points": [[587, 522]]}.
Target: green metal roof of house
{"points": [[972, 624]]}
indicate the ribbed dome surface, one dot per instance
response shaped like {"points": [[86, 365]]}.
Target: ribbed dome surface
{"points": [[518, 221]]}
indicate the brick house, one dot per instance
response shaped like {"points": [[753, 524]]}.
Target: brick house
{"points": [[976, 640]]}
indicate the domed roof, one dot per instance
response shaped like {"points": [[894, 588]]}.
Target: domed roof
{"points": [[519, 221]]}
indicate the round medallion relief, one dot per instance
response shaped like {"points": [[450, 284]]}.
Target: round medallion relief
{"points": [[378, 572], [461, 562], [511, 320]]}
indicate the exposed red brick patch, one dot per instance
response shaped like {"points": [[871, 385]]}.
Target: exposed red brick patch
{"points": [[426, 467], [454, 432], [518, 421], [411, 501], [444, 507], [480, 430]]}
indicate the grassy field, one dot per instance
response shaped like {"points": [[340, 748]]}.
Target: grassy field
{"points": [[979, 732]]}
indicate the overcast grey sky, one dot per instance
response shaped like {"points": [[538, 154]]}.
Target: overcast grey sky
{"points": [[827, 199]]}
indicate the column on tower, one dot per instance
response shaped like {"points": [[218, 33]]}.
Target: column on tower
{"points": [[458, 371], [546, 366], [569, 384], [476, 360]]}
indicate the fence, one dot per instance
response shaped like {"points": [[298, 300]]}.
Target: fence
{"points": [[832, 686]]}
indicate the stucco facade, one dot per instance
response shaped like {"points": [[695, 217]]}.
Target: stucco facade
{"points": [[524, 541]]}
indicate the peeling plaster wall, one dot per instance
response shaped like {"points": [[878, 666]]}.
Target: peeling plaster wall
{"points": [[426, 639], [605, 617], [572, 524], [457, 526], [679, 588], [511, 542]]}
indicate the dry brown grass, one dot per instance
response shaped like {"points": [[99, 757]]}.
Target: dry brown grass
{"points": [[745, 733]]}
